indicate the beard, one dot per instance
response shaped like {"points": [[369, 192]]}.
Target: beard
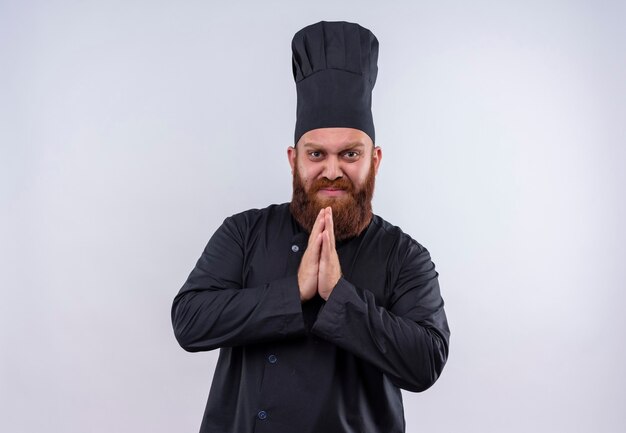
{"points": [[352, 212]]}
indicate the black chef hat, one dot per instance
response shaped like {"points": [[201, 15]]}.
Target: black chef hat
{"points": [[334, 66]]}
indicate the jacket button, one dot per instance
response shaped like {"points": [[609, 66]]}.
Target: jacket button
{"points": [[272, 359], [262, 415], [295, 248]]}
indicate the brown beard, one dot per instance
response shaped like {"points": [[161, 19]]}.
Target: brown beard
{"points": [[352, 212]]}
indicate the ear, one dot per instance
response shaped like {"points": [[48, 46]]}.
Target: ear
{"points": [[378, 156], [291, 155]]}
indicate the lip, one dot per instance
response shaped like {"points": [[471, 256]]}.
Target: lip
{"points": [[332, 192]]}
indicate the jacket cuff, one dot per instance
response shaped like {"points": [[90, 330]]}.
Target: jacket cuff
{"points": [[291, 307], [333, 312]]}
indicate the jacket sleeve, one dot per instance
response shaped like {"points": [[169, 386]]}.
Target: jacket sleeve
{"points": [[407, 340], [213, 310]]}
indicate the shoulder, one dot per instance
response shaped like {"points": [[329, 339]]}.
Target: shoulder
{"points": [[252, 216], [251, 220], [404, 255], [389, 233]]}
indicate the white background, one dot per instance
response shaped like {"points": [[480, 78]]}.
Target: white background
{"points": [[130, 129]]}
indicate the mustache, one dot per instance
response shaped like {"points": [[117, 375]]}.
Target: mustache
{"points": [[340, 183]]}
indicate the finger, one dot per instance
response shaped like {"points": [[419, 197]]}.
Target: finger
{"points": [[330, 226], [318, 226], [329, 268], [323, 248], [309, 266], [328, 222], [308, 272], [325, 238], [327, 248], [317, 246], [314, 250]]}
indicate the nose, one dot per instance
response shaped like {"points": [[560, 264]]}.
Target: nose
{"points": [[332, 169]]}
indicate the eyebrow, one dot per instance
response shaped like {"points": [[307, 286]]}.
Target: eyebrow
{"points": [[353, 145]]}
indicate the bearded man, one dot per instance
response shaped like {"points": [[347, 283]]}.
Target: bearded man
{"points": [[322, 311]]}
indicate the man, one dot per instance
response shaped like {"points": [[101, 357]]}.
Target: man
{"points": [[322, 311]]}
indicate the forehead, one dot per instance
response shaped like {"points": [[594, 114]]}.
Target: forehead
{"points": [[334, 139]]}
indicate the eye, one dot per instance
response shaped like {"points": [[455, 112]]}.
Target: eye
{"points": [[315, 154], [351, 155]]}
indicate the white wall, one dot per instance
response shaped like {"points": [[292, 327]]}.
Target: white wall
{"points": [[130, 129]]}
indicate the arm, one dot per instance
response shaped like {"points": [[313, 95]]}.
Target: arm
{"points": [[408, 341], [213, 310]]}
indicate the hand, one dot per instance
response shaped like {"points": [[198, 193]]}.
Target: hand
{"points": [[329, 266], [309, 266]]}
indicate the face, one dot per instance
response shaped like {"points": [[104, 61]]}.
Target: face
{"points": [[334, 167]]}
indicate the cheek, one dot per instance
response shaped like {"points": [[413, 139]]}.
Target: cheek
{"points": [[303, 174], [357, 174], [307, 172]]}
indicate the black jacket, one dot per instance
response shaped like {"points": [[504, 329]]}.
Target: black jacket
{"points": [[333, 366]]}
